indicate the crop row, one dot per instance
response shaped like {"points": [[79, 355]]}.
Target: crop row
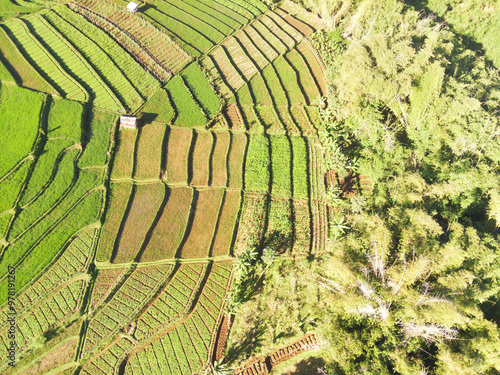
{"points": [[278, 165], [106, 362], [159, 44], [28, 75], [38, 246], [101, 62], [252, 222], [132, 295], [173, 301], [104, 283], [73, 261], [43, 316], [186, 348], [43, 61]]}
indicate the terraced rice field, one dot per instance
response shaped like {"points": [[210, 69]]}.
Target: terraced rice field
{"points": [[132, 232]]}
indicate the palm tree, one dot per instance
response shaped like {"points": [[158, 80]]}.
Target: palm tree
{"points": [[220, 369]]}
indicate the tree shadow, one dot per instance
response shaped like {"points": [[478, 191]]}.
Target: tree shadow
{"points": [[308, 366], [253, 340], [277, 240]]}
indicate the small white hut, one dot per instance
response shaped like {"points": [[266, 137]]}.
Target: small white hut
{"points": [[129, 122], [132, 7]]}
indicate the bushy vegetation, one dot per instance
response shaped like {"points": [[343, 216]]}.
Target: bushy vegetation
{"points": [[201, 89], [188, 113], [257, 164], [410, 280]]}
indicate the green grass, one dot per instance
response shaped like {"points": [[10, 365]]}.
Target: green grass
{"points": [[300, 168], [117, 205], [44, 167], [143, 81], [101, 130], [65, 118], [243, 95], [201, 89], [4, 72], [257, 164], [188, 112], [4, 223], [281, 164], [259, 90], [10, 187], [20, 113], [159, 105]]}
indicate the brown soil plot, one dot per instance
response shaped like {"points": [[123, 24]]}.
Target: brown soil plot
{"points": [[120, 194], [169, 230], [236, 158], [123, 164], [198, 236], [219, 159], [149, 151], [179, 142], [201, 159], [226, 225], [138, 220]]}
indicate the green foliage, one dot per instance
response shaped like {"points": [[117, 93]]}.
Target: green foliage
{"points": [[46, 165], [187, 111], [300, 168], [144, 82], [160, 105], [201, 89], [65, 118], [20, 113], [10, 187], [257, 164], [281, 165], [98, 138]]}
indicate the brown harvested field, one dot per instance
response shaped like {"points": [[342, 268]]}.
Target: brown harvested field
{"points": [[302, 244], [312, 60], [149, 151], [169, 231], [179, 143], [236, 158], [233, 116], [302, 14], [123, 165], [24, 74], [119, 198], [201, 159], [303, 28], [105, 281], [139, 218], [227, 222], [219, 159], [200, 231], [60, 355], [252, 221]]}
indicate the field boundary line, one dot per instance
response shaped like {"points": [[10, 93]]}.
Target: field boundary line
{"points": [[37, 41]]}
